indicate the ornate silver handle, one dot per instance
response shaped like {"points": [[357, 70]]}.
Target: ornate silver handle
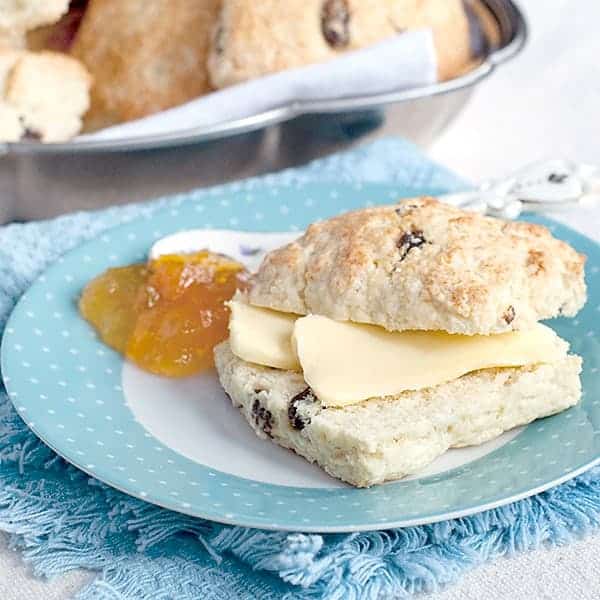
{"points": [[545, 186]]}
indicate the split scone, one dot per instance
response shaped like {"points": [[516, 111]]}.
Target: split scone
{"points": [[258, 38], [144, 56], [43, 95], [383, 337]]}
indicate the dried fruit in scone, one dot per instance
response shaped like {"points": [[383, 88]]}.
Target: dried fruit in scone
{"points": [[144, 56], [252, 39], [425, 265], [48, 92], [389, 437]]}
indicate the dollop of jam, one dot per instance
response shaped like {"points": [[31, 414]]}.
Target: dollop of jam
{"points": [[168, 315]]}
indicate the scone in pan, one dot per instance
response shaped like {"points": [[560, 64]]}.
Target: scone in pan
{"points": [[506, 33]]}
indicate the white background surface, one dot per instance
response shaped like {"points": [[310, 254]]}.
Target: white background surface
{"points": [[544, 104]]}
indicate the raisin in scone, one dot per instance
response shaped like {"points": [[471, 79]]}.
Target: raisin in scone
{"points": [[43, 95], [385, 336], [424, 265], [383, 439], [252, 39], [144, 57]]}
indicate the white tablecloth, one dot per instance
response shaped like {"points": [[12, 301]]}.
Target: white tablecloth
{"points": [[543, 105]]}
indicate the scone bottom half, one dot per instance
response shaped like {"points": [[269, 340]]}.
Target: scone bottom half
{"points": [[385, 439], [418, 265]]}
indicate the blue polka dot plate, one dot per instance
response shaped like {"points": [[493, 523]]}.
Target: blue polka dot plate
{"points": [[181, 445]]}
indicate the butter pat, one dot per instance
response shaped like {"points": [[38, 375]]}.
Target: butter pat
{"points": [[262, 336], [345, 363]]}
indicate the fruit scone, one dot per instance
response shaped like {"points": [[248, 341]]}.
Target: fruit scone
{"points": [[252, 39], [43, 95], [385, 336], [144, 57]]}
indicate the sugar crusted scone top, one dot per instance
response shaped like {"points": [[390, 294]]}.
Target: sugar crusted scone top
{"points": [[422, 264]]}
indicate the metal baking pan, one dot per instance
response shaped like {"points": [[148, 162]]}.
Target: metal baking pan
{"points": [[41, 180]]}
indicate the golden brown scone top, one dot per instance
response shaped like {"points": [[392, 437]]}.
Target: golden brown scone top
{"points": [[144, 56], [424, 265], [253, 38]]}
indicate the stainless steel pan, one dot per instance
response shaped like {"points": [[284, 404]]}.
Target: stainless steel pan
{"points": [[42, 180]]}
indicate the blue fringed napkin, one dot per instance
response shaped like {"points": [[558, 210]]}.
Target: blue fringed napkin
{"points": [[62, 520]]}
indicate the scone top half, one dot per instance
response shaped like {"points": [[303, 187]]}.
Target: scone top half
{"points": [[424, 265]]}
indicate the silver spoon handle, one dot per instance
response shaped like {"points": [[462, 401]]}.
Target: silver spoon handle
{"points": [[541, 187]]}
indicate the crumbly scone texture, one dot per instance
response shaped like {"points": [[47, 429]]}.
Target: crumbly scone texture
{"points": [[252, 39], [383, 439], [43, 94], [23, 15], [17, 17], [8, 60], [424, 265], [144, 56], [11, 40], [47, 90], [11, 128]]}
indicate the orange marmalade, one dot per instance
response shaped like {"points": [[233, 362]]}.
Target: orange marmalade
{"points": [[168, 315]]}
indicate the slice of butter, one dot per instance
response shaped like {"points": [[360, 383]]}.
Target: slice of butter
{"points": [[262, 336], [345, 363]]}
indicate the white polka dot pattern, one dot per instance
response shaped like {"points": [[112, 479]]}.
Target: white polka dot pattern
{"points": [[67, 386]]}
